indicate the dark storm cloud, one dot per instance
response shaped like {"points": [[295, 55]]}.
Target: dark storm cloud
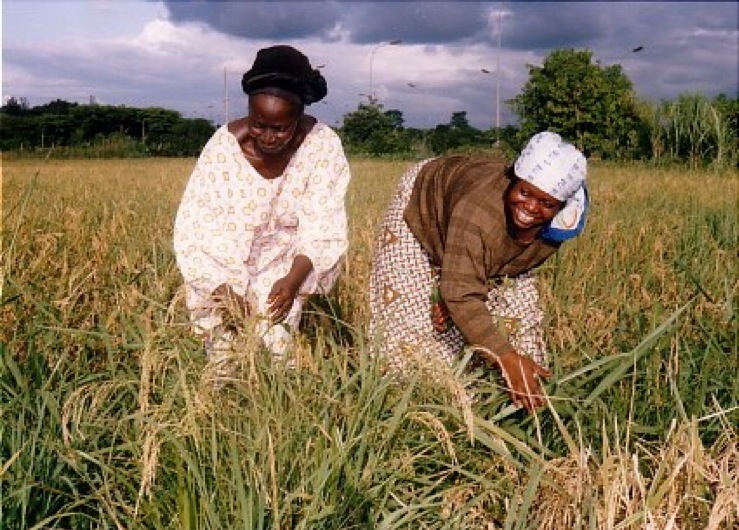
{"points": [[671, 26], [683, 42], [416, 22], [529, 26], [260, 20], [360, 22], [687, 47], [536, 26]]}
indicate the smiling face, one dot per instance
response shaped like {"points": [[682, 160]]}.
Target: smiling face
{"points": [[272, 122], [528, 209]]}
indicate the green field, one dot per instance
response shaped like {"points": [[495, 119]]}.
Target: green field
{"points": [[109, 417]]}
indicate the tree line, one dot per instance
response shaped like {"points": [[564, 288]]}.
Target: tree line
{"points": [[592, 105], [100, 129]]}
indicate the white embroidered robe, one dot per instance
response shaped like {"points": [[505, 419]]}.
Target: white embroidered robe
{"points": [[234, 226]]}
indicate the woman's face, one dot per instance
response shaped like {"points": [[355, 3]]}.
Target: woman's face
{"points": [[528, 208], [272, 122]]}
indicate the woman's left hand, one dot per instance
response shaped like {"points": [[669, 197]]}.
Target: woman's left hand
{"points": [[281, 298]]}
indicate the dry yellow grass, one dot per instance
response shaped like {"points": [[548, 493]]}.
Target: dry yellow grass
{"points": [[87, 248]]}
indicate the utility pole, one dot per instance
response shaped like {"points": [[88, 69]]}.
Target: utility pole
{"points": [[497, 75], [225, 95]]}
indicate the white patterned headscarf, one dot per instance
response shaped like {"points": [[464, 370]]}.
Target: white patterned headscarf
{"points": [[559, 169]]}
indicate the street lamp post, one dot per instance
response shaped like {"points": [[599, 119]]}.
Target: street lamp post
{"points": [[225, 95], [612, 61], [633, 50], [372, 98], [497, 99], [497, 73]]}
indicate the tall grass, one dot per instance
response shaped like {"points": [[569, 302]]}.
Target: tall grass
{"points": [[110, 417]]}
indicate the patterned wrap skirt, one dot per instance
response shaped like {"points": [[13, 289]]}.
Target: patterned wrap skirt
{"points": [[401, 284]]}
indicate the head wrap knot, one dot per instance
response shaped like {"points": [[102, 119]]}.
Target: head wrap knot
{"points": [[285, 68], [559, 169]]}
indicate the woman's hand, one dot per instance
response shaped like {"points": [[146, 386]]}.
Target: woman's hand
{"points": [[283, 293], [281, 298], [522, 375], [440, 318]]}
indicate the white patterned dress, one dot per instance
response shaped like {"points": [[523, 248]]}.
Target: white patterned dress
{"points": [[235, 227]]}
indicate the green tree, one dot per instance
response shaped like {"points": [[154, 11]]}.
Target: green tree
{"points": [[590, 105], [18, 132], [187, 136], [370, 130], [396, 119], [459, 121], [455, 135], [134, 131], [15, 106]]}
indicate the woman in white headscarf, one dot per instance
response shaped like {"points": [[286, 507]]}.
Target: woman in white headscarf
{"points": [[453, 259]]}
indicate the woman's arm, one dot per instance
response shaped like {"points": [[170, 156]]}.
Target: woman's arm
{"points": [[464, 289], [207, 254], [322, 228]]}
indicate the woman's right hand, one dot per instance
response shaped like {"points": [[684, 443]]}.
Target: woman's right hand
{"points": [[523, 377]]}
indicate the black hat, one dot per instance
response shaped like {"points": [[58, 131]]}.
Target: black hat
{"points": [[285, 68]]}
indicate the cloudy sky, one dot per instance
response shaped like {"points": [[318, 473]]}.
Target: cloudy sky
{"points": [[189, 56]]}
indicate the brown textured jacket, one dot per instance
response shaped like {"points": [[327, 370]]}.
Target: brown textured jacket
{"points": [[456, 212]]}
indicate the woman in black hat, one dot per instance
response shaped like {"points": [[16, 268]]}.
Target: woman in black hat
{"points": [[262, 222]]}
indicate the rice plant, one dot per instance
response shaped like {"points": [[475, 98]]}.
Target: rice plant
{"points": [[111, 417]]}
